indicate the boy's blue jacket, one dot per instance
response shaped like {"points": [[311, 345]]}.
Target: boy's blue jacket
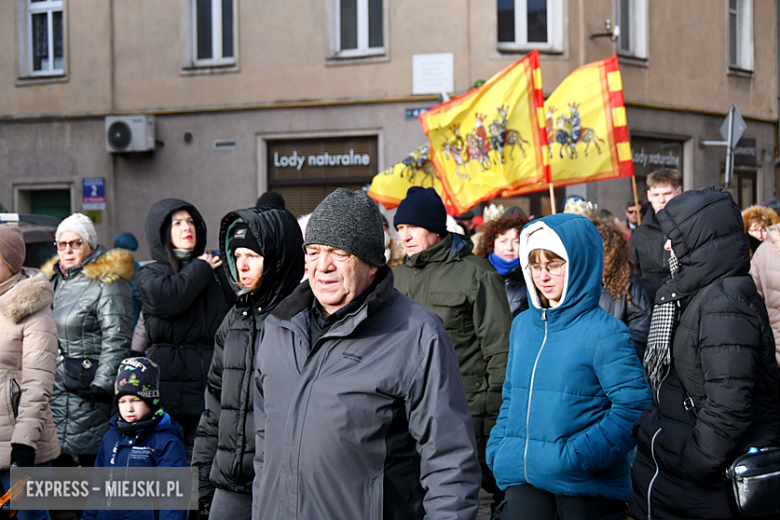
{"points": [[574, 385], [158, 446]]}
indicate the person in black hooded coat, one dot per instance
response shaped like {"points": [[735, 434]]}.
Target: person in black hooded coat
{"points": [[225, 447], [185, 297], [721, 354]]}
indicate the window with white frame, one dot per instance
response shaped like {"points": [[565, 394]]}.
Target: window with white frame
{"points": [[45, 37], [740, 31], [530, 24], [359, 27], [213, 32], [631, 16]]}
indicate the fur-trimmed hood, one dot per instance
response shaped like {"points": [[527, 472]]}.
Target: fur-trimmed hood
{"points": [[28, 293], [105, 266], [759, 213]]}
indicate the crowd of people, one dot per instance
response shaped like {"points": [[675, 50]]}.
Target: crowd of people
{"points": [[574, 366]]}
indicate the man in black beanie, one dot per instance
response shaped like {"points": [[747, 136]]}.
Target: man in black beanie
{"points": [[357, 392], [442, 273]]}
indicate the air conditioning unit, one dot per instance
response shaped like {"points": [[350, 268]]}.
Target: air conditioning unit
{"points": [[130, 133]]}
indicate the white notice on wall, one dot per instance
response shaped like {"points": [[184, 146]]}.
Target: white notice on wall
{"points": [[433, 73]]}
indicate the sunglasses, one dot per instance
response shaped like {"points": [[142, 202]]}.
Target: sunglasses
{"points": [[73, 244]]}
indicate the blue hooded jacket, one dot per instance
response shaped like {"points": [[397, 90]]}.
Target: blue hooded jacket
{"points": [[159, 446], [574, 385]]}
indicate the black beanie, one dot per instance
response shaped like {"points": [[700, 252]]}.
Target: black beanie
{"points": [[140, 377], [350, 221], [243, 237], [270, 198], [422, 207]]}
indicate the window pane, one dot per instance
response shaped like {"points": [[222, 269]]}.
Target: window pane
{"points": [[506, 20], [732, 39], [203, 17], [40, 39], [56, 18], [227, 28], [537, 20], [348, 24], [374, 23], [733, 5], [625, 25]]}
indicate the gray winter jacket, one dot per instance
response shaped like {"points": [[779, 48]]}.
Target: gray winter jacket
{"points": [[93, 311], [369, 422]]}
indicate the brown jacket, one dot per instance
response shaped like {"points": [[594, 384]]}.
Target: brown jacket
{"points": [[765, 270], [28, 348]]}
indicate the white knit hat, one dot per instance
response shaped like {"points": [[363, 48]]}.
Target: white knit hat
{"points": [[546, 238], [82, 226]]}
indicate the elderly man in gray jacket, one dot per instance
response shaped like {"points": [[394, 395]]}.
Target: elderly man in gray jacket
{"points": [[360, 409]]}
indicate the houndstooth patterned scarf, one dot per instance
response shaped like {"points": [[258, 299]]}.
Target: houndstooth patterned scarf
{"points": [[659, 341]]}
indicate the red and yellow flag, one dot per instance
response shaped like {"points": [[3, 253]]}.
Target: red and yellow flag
{"points": [[389, 187], [586, 128], [490, 139]]}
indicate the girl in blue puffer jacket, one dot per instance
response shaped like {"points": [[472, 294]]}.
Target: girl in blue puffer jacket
{"points": [[573, 388]]}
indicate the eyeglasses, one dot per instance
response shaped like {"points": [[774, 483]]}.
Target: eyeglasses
{"points": [[554, 268], [630, 211], [73, 244]]}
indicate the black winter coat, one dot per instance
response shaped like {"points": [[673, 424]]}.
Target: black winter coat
{"points": [[722, 355], [635, 314], [651, 262], [182, 312], [225, 446], [516, 291]]}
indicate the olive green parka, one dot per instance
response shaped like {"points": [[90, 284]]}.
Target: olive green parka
{"points": [[469, 296]]}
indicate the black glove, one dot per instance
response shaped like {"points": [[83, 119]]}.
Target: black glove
{"points": [[98, 395], [22, 455], [85, 394]]}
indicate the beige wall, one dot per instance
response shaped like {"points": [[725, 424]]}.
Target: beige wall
{"points": [[283, 50]]}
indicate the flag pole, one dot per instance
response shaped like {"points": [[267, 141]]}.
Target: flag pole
{"points": [[552, 198], [636, 201]]}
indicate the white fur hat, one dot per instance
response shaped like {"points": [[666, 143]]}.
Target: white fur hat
{"points": [[82, 226]]}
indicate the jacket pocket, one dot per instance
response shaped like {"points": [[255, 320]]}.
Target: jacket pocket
{"points": [[450, 307], [15, 391]]}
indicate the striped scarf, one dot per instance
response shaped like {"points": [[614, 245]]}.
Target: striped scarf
{"points": [[664, 321]]}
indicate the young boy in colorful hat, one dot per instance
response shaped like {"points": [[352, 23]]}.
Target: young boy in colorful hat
{"points": [[144, 429]]}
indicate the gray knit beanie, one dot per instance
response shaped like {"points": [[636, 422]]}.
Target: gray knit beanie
{"points": [[350, 221], [82, 226]]}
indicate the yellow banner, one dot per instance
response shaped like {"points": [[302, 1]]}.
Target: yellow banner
{"points": [[491, 139], [389, 187]]}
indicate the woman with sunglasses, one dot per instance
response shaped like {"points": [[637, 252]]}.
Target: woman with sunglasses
{"points": [[93, 311], [573, 387]]}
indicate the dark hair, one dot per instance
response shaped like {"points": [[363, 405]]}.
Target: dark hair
{"points": [[165, 236], [617, 268], [493, 228]]}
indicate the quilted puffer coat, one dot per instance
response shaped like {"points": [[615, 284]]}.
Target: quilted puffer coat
{"points": [[93, 311], [765, 270], [182, 312], [574, 385], [225, 446], [722, 356], [28, 348]]}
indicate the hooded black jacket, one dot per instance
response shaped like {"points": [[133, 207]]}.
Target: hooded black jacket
{"points": [[635, 313], [516, 291], [651, 262], [182, 311], [722, 355], [225, 446]]}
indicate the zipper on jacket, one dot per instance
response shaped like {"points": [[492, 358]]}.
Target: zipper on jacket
{"points": [[655, 475], [530, 395]]}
